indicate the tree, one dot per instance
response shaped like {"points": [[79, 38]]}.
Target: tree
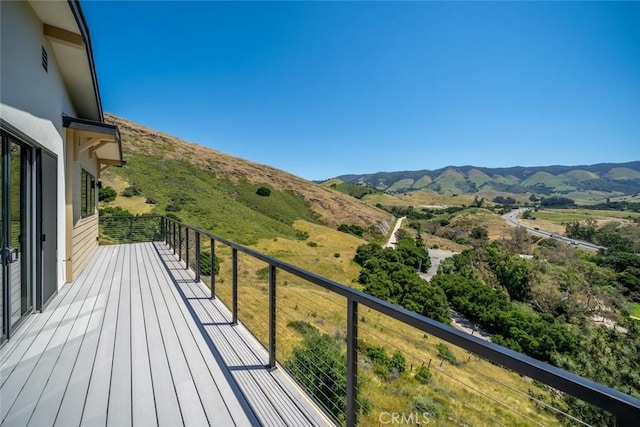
{"points": [[513, 274], [480, 233]]}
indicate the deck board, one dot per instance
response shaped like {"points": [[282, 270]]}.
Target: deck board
{"points": [[142, 393], [136, 341]]}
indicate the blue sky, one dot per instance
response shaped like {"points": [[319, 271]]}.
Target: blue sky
{"points": [[322, 89]]}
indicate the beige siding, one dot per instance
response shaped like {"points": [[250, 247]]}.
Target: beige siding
{"points": [[85, 230], [85, 242], [90, 166]]}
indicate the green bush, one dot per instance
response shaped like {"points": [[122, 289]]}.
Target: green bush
{"points": [[131, 191], [263, 191], [321, 367], [423, 375], [107, 194], [445, 353]]}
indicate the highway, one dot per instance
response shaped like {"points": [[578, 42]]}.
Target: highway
{"points": [[512, 219]]}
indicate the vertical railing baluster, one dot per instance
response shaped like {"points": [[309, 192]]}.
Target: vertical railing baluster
{"points": [[197, 236], [179, 242], [212, 260], [186, 248], [234, 285], [352, 363], [173, 237], [272, 316]]}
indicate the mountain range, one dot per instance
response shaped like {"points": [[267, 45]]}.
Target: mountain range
{"points": [[587, 182]]}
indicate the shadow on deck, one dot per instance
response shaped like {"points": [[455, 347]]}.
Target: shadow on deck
{"points": [[136, 341]]}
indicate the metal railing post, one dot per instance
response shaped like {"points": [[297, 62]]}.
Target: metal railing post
{"points": [[186, 248], [179, 242], [234, 285], [197, 236], [212, 260], [173, 238], [352, 363], [272, 316]]}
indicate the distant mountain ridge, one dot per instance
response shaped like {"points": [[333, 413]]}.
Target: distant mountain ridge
{"points": [[582, 182]]}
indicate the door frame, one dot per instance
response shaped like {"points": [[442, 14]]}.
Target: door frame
{"points": [[33, 217]]}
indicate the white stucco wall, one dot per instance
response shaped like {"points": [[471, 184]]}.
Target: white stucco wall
{"points": [[33, 100]]}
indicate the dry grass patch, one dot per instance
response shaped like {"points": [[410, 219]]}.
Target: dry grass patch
{"points": [[135, 204], [556, 220]]}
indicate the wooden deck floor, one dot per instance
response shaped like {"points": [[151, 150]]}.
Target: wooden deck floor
{"points": [[135, 341]]}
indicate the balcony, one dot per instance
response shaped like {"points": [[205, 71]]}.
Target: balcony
{"points": [[136, 341], [191, 329]]}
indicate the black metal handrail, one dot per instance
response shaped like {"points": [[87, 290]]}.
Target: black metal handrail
{"points": [[625, 408]]}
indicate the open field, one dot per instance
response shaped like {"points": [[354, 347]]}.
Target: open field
{"points": [[556, 220], [466, 392], [419, 199]]}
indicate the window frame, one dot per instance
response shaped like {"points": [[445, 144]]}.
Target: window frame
{"points": [[87, 194]]}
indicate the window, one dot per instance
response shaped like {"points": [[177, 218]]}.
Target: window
{"points": [[87, 194]]}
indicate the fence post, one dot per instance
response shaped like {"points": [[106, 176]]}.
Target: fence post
{"points": [[197, 236], [212, 260], [179, 242], [352, 363], [173, 237], [186, 248], [234, 285], [272, 316]]}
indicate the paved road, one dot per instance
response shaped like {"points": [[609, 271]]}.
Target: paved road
{"points": [[437, 256], [512, 219]]}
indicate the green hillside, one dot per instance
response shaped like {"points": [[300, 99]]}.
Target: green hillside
{"points": [[220, 193]]}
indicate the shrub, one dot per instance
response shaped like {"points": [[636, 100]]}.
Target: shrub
{"points": [[445, 353], [321, 367], [131, 191], [151, 201], [264, 192], [107, 194], [423, 375], [205, 264], [312, 244]]}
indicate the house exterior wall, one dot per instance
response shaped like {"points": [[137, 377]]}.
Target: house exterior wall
{"points": [[34, 100], [85, 230]]}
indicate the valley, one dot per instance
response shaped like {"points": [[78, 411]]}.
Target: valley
{"points": [[547, 289]]}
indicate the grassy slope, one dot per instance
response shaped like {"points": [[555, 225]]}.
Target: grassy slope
{"points": [[216, 191], [303, 302]]}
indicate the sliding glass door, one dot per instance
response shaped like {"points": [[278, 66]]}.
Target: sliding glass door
{"points": [[17, 233]]}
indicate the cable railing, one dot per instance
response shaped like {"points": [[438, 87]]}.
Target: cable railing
{"points": [[340, 344]]}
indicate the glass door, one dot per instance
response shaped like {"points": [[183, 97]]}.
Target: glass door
{"points": [[17, 233]]}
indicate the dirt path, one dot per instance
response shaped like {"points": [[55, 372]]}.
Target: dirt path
{"points": [[392, 239]]}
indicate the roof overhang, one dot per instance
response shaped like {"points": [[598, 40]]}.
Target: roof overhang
{"points": [[101, 139], [65, 27]]}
